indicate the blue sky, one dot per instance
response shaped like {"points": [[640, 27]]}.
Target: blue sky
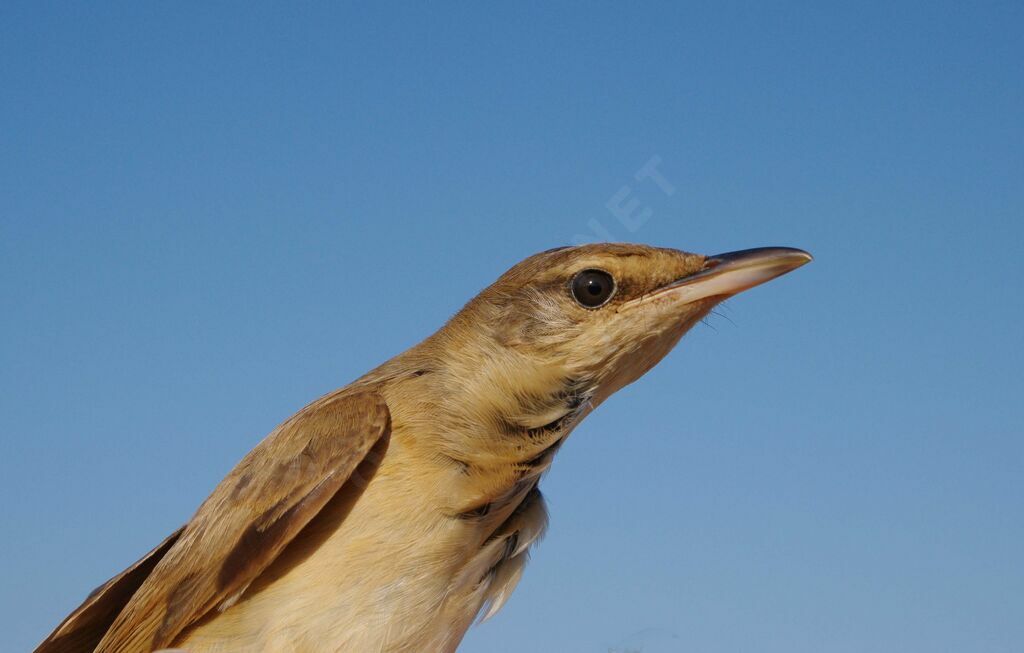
{"points": [[211, 215]]}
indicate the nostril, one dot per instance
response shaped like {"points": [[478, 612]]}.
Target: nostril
{"points": [[710, 263]]}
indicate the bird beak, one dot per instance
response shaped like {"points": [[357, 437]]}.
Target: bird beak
{"points": [[724, 275]]}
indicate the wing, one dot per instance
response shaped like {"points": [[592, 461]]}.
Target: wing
{"points": [[250, 517], [81, 631]]}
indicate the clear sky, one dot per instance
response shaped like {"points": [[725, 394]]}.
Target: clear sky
{"points": [[212, 215]]}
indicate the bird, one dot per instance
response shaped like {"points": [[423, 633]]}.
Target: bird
{"points": [[391, 514]]}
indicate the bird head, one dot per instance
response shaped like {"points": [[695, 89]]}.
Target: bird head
{"points": [[594, 318]]}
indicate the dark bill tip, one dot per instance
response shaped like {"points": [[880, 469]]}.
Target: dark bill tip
{"points": [[790, 257]]}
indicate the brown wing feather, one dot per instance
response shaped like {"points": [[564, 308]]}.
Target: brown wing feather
{"points": [[250, 517], [82, 630]]}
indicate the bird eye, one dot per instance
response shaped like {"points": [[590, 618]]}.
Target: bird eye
{"points": [[592, 288]]}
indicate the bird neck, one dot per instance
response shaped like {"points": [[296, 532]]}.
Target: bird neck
{"points": [[505, 407], [487, 419]]}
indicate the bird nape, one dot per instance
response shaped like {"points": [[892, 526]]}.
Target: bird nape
{"points": [[391, 513]]}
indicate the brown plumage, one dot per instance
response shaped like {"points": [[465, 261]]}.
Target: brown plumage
{"points": [[389, 514]]}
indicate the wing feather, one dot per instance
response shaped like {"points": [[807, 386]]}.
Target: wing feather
{"points": [[82, 629], [262, 504]]}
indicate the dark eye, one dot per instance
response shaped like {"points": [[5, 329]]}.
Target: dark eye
{"points": [[591, 288]]}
